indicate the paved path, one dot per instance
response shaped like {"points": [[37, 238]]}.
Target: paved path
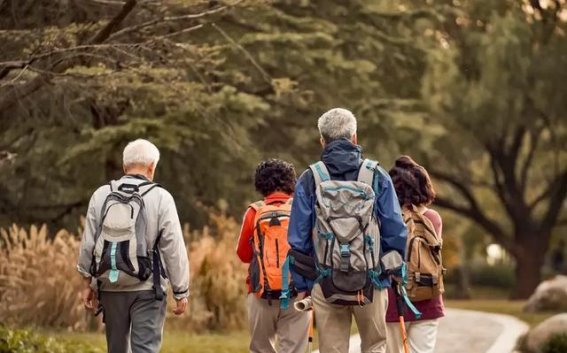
{"points": [[464, 331]]}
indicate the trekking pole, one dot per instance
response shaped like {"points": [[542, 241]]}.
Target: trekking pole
{"points": [[400, 307], [307, 305], [311, 325]]}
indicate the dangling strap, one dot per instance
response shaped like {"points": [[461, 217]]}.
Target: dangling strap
{"points": [[320, 173], [409, 304], [404, 293], [156, 269], [366, 172], [285, 292]]}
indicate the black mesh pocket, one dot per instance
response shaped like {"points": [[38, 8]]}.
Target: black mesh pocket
{"points": [[337, 296], [254, 272], [349, 281]]}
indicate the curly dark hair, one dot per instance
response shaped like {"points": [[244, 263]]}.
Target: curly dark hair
{"points": [[412, 183], [274, 175]]}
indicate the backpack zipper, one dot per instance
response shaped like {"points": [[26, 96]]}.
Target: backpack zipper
{"points": [[277, 254]]}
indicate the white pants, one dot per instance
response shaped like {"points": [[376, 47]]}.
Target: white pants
{"points": [[422, 336]]}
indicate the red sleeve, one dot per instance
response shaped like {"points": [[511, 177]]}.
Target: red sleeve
{"points": [[244, 248], [436, 220]]}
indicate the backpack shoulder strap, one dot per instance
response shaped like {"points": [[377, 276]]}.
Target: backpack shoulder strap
{"points": [[150, 186], [257, 205], [367, 170], [430, 233], [320, 172]]}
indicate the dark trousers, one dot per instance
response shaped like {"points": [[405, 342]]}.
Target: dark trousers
{"points": [[134, 321]]}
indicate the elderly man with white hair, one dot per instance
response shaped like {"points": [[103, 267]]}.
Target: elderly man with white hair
{"points": [[131, 246], [345, 216]]}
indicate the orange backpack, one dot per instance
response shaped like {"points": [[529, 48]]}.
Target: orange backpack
{"points": [[270, 248]]}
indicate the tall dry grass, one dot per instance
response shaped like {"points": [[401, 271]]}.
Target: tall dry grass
{"points": [[39, 285], [218, 287]]}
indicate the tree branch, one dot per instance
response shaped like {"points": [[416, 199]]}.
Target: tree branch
{"points": [[16, 93], [260, 69], [459, 185], [556, 200], [473, 211], [534, 143], [480, 218], [172, 19]]}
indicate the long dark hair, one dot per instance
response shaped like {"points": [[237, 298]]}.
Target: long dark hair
{"points": [[412, 183]]}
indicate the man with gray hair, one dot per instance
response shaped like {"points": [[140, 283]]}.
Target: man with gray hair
{"points": [[345, 218], [131, 245]]}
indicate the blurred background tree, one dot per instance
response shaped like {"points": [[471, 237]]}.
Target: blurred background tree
{"points": [[472, 89]]}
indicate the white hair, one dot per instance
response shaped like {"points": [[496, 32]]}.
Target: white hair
{"points": [[337, 123], [140, 152]]}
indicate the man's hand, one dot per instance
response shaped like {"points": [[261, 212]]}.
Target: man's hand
{"points": [[89, 299], [181, 306]]}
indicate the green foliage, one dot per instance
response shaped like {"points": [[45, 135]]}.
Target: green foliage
{"points": [[489, 87], [556, 344], [248, 84], [25, 341]]}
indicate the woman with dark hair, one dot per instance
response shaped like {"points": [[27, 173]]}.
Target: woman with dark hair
{"points": [[263, 244], [415, 193]]}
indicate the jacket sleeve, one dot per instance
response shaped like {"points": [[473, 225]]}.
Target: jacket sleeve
{"points": [[244, 247], [88, 241], [300, 229], [172, 247], [393, 231]]}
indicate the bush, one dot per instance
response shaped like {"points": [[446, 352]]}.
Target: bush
{"points": [[556, 344], [499, 276], [40, 286], [22, 341]]}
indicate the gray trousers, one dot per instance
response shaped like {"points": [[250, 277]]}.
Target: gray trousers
{"points": [[134, 321]]}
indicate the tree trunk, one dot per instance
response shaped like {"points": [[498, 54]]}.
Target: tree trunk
{"points": [[529, 264], [463, 283]]}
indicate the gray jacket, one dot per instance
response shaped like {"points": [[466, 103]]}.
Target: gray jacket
{"points": [[161, 217]]}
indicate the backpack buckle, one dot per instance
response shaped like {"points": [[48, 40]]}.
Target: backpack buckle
{"points": [[345, 257], [275, 222]]}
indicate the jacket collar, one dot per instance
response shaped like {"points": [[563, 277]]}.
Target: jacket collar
{"points": [[136, 176], [341, 157]]}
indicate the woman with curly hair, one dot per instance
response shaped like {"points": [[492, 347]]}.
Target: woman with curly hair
{"points": [[415, 194], [263, 244]]}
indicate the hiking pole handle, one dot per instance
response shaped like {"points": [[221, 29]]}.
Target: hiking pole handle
{"points": [[305, 304], [399, 297]]}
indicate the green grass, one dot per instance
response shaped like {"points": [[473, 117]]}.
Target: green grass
{"points": [[175, 341], [500, 306]]}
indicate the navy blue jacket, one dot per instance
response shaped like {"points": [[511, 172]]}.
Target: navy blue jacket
{"points": [[343, 160]]}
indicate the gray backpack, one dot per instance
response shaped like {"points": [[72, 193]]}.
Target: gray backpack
{"points": [[121, 255], [346, 236]]}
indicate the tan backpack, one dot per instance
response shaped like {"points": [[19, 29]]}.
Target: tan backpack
{"points": [[423, 256]]}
